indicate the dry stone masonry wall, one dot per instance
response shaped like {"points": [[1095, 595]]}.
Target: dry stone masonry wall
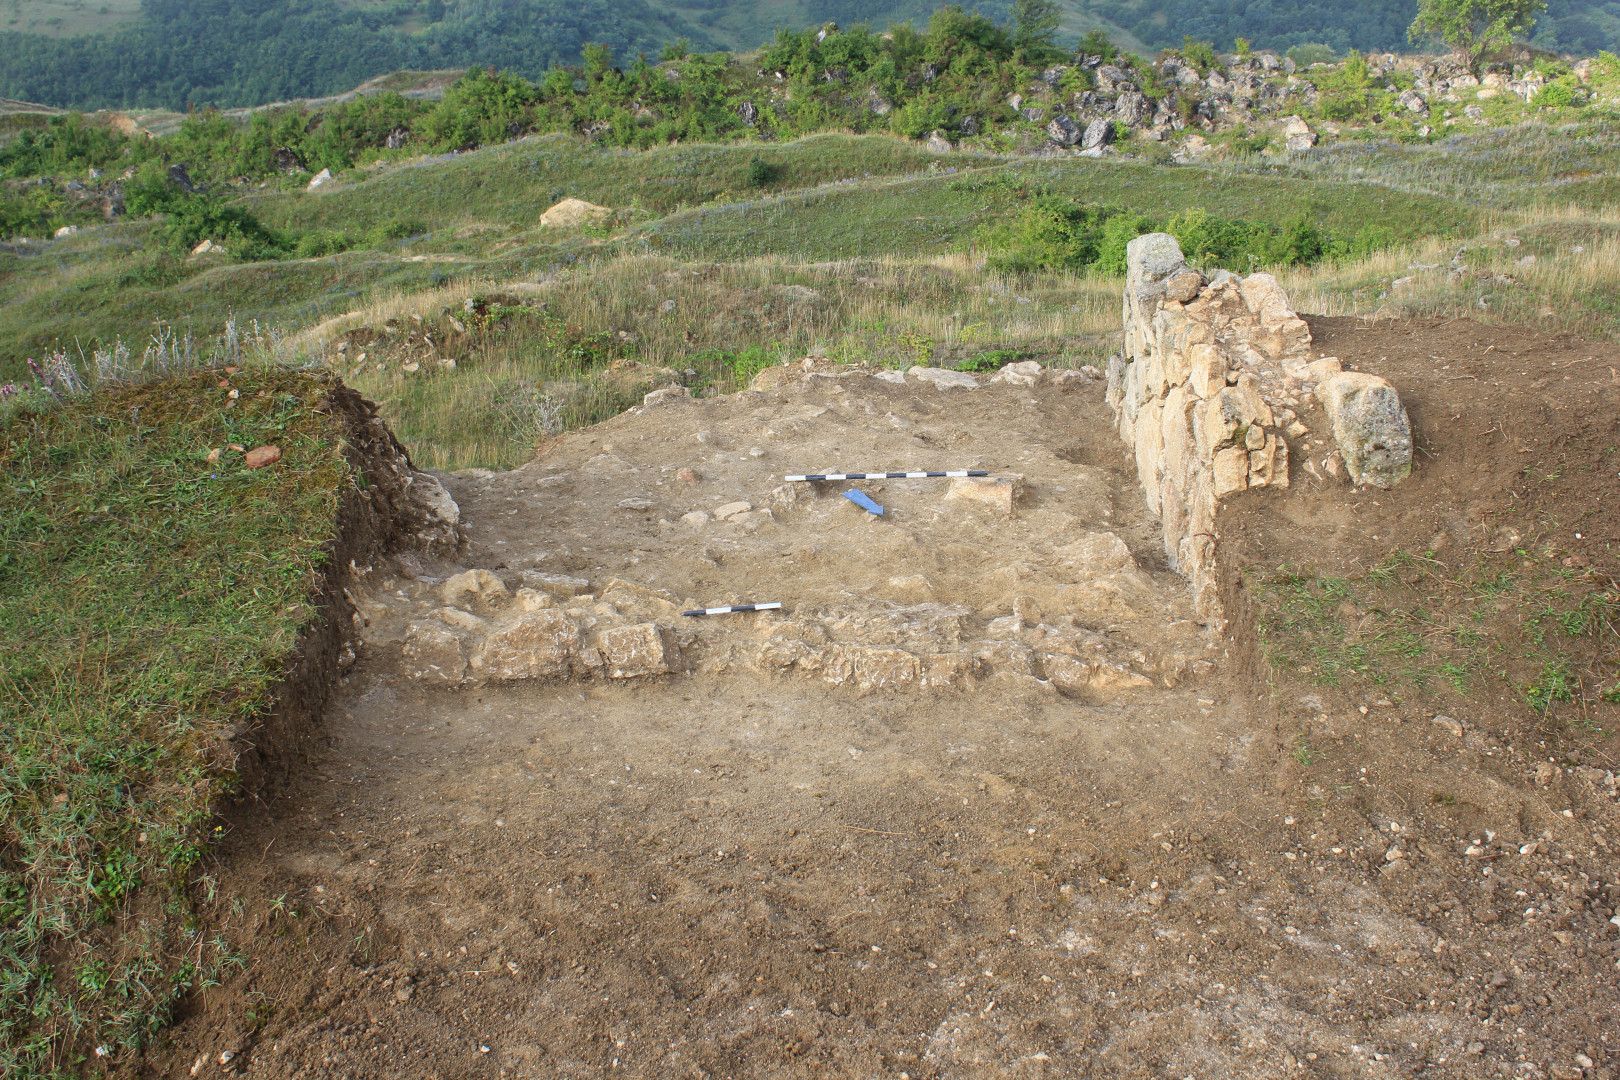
{"points": [[1210, 389]]}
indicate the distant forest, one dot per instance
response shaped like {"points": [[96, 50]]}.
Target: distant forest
{"points": [[248, 52], [183, 53], [1578, 26]]}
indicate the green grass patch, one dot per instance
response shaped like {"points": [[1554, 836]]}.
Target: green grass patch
{"points": [[1546, 635], [148, 599]]}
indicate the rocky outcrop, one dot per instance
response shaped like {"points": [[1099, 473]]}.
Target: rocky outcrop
{"points": [[1206, 391], [573, 213]]}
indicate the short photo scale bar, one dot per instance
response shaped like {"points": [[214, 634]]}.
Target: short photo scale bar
{"points": [[882, 475], [734, 609]]}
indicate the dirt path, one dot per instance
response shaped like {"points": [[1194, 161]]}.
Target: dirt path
{"points": [[984, 801]]}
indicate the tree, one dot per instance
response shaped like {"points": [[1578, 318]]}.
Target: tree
{"points": [[1034, 23], [1473, 28]]}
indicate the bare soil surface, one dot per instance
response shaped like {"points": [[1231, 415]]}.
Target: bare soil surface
{"points": [[841, 865]]}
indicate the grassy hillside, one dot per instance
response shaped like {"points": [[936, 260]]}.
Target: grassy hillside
{"points": [[149, 597]]}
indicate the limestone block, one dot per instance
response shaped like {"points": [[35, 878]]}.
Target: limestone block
{"points": [[1371, 427], [558, 585], [669, 395], [1153, 257], [531, 645], [1201, 505], [1150, 453], [1114, 395], [1183, 285], [433, 652], [481, 584], [1254, 438], [1268, 466], [1177, 367], [640, 600], [1265, 298], [464, 621], [909, 589], [1230, 471], [1151, 375], [944, 378], [1005, 655], [996, 492], [949, 669], [643, 649], [1249, 385], [1006, 627], [1320, 371], [1206, 370], [1228, 410], [1095, 555], [529, 600], [869, 668], [1090, 679], [1022, 373]]}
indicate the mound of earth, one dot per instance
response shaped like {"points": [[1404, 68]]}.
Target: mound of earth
{"points": [[982, 800]]}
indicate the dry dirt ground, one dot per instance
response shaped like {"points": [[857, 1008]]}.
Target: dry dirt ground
{"points": [[982, 802]]}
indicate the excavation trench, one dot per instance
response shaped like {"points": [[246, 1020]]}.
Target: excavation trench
{"points": [[984, 799]]}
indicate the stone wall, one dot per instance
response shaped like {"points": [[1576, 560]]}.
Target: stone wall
{"points": [[1209, 390]]}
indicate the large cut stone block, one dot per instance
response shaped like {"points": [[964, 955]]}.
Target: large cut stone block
{"points": [[433, 652], [643, 649], [1371, 426], [533, 645]]}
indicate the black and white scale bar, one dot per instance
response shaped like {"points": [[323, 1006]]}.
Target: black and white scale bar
{"points": [[882, 475], [734, 609]]}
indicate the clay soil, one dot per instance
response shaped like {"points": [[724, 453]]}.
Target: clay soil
{"points": [[731, 873]]}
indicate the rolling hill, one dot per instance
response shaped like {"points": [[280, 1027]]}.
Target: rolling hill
{"points": [[180, 53]]}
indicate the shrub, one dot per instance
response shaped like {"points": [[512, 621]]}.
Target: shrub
{"points": [[195, 218], [919, 118], [483, 106], [1200, 54], [1555, 95], [394, 231], [760, 172], [67, 145], [318, 243]]}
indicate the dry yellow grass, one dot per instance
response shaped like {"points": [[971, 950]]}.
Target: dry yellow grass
{"points": [[1557, 267]]}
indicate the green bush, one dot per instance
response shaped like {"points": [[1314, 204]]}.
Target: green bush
{"points": [[318, 243], [394, 231], [1096, 43], [67, 145], [36, 212], [760, 172], [481, 107], [196, 218], [1350, 93], [1200, 54], [1555, 95], [918, 118]]}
